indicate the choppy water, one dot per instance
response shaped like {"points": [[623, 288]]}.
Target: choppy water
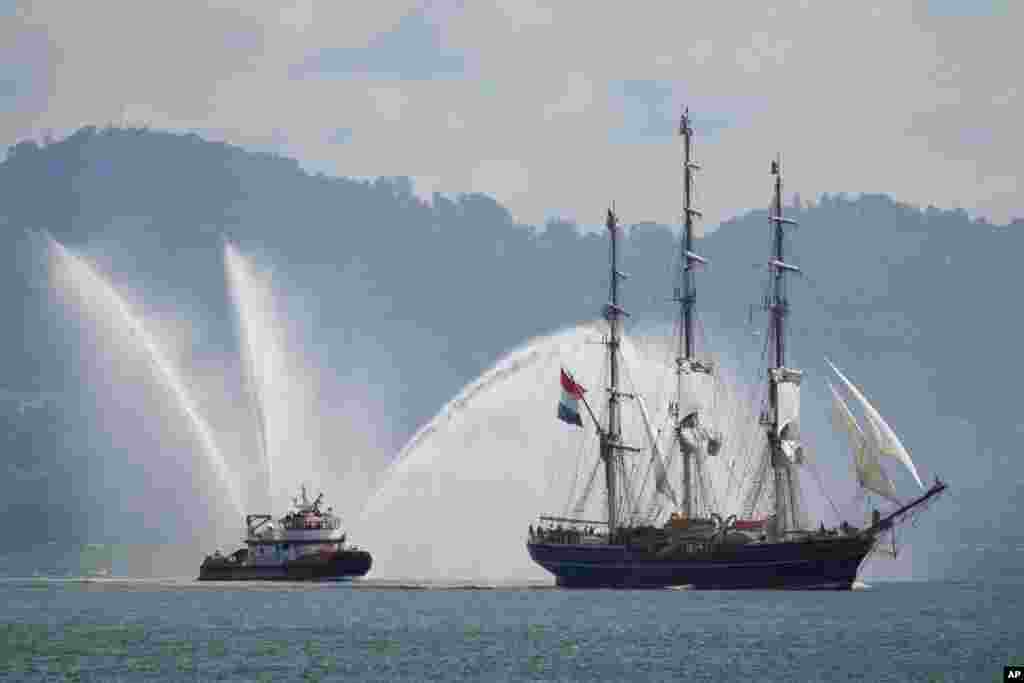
{"points": [[179, 630]]}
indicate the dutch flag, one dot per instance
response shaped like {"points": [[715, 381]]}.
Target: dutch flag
{"points": [[569, 405]]}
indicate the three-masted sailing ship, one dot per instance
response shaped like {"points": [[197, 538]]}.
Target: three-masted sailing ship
{"points": [[637, 546]]}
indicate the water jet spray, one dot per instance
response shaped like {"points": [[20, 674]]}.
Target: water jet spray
{"points": [[93, 290]]}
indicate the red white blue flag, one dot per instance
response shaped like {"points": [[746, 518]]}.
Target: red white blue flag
{"points": [[569, 404]]}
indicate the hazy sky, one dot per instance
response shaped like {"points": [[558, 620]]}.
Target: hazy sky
{"points": [[554, 110]]}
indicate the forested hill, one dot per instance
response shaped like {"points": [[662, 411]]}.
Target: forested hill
{"points": [[918, 305]]}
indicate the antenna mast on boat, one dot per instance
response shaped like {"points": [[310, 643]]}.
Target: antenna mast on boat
{"points": [[686, 297]]}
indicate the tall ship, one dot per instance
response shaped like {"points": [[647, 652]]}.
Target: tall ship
{"points": [[652, 536], [307, 543]]}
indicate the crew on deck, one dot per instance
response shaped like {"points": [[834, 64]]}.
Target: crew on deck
{"points": [[558, 534]]}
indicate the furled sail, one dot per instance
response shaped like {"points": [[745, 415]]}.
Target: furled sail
{"points": [[694, 408], [880, 435], [868, 470], [697, 388], [787, 386], [661, 482]]}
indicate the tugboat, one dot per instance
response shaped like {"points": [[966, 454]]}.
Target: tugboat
{"points": [[768, 543], [307, 544]]}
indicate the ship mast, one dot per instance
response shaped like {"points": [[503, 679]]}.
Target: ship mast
{"points": [[783, 382], [779, 305], [611, 437], [686, 297]]}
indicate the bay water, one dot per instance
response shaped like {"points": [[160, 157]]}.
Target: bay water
{"points": [[181, 630]]}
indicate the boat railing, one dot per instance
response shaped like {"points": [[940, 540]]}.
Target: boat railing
{"points": [[315, 524], [568, 531], [570, 520]]}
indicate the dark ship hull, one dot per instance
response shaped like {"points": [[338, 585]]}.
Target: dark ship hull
{"points": [[830, 563], [333, 566]]}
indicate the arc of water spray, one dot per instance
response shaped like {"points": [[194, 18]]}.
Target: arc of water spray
{"points": [[529, 354], [237, 276], [162, 366]]}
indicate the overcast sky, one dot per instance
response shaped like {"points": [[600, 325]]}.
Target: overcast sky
{"points": [[554, 110]]}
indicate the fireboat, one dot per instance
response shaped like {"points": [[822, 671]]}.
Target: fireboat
{"points": [[307, 544]]}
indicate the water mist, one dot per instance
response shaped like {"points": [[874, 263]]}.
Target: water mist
{"points": [[314, 428], [456, 504], [260, 345], [98, 299]]}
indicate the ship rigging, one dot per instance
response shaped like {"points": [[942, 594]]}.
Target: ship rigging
{"points": [[698, 545]]}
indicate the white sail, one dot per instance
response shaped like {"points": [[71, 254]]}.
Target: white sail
{"points": [[661, 482], [844, 422], [880, 435], [697, 385], [793, 450], [697, 397], [866, 466], [787, 385]]}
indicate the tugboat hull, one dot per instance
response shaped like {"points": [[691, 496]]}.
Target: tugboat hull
{"points": [[336, 566], [830, 565]]}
